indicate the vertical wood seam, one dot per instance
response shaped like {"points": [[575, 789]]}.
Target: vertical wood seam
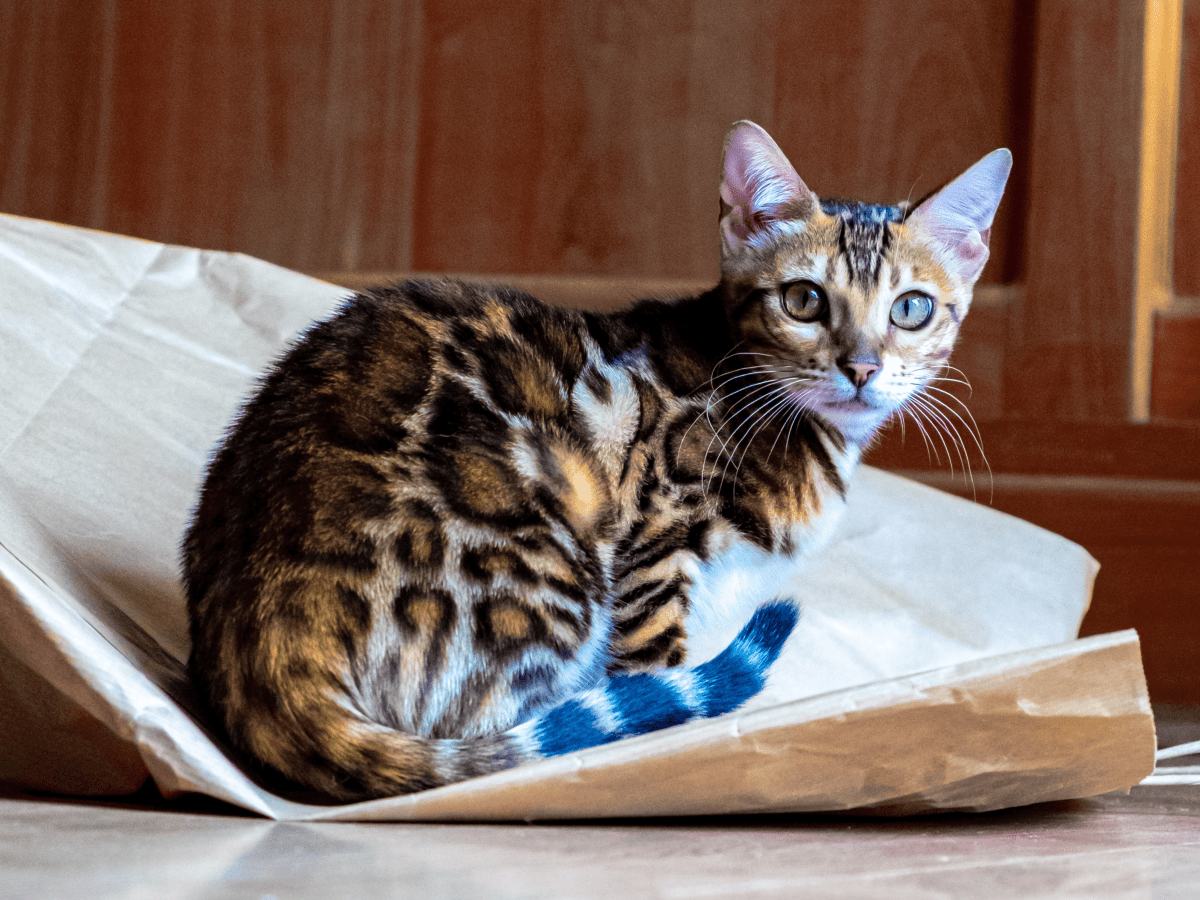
{"points": [[1161, 65], [98, 213]]}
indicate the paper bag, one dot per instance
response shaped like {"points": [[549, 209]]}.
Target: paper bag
{"points": [[934, 667]]}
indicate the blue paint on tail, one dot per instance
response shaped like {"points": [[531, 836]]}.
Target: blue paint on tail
{"points": [[639, 704], [740, 671], [644, 703], [568, 728]]}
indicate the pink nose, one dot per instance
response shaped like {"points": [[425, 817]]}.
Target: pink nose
{"points": [[860, 372]]}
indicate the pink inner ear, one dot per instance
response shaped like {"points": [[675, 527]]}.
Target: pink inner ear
{"points": [[760, 185], [959, 217], [972, 250]]}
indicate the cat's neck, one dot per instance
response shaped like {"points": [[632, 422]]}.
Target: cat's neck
{"points": [[684, 339]]}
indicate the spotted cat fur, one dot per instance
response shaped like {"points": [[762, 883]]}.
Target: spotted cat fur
{"points": [[456, 529]]}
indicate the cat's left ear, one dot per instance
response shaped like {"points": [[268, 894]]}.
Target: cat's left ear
{"points": [[959, 216], [759, 187]]}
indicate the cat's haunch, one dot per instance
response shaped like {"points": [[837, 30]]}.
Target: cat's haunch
{"points": [[457, 529]]}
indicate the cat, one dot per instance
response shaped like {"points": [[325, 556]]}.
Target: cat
{"points": [[457, 529]]}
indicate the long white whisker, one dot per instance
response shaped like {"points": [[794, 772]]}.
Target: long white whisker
{"points": [[749, 427], [759, 424], [944, 380], [783, 400], [973, 430], [930, 450], [949, 429], [756, 400], [797, 409], [917, 401]]}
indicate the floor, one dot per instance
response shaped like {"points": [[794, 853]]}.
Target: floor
{"points": [[1142, 845]]}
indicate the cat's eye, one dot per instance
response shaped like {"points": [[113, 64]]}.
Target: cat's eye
{"points": [[805, 301], [912, 310]]}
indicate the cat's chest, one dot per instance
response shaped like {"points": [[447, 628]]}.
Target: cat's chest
{"points": [[732, 580]]}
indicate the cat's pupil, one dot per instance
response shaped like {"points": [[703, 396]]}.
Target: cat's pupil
{"points": [[804, 301], [912, 311]]}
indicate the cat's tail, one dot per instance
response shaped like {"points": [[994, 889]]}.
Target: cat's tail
{"points": [[628, 705], [330, 748]]}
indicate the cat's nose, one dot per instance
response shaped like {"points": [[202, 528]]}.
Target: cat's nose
{"points": [[860, 373]]}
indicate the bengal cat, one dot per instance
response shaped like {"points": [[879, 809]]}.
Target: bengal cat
{"points": [[457, 529]]}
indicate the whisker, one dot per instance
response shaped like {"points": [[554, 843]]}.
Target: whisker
{"points": [[973, 430], [917, 401], [757, 400], [750, 427], [948, 428], [782, 402], [930, 450]]}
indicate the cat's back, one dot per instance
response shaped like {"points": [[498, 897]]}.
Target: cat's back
{"points": [[386, 391]]}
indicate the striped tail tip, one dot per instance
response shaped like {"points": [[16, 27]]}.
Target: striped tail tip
{"points": [[740, 671], [628, 705]]}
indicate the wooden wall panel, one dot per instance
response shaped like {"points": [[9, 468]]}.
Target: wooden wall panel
{"points": [[53, 85], [558, 137], [1175, 384], [284, 130], [1187, 180], [561, 137], [890, 100], [544, 135], [1073, 331]]}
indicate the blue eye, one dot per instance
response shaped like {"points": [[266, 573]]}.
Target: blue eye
{"points": [[912, 311]]}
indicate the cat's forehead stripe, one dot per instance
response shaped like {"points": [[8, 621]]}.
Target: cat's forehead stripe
{"points": [[864, 237]]}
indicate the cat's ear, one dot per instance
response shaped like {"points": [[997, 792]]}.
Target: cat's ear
{"points": [[758, 187], [959, 216]]}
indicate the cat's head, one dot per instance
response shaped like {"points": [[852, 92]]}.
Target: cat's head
{"points": [[849, 309]]}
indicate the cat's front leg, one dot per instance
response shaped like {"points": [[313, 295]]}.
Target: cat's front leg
{"points": [[654, 576]]}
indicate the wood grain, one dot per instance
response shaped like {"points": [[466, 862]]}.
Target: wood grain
{"points": [[1070, 357], [1187, 177], [1157, 451], [283, 130], [1175, 385], [524, 136], [1113, 847], [53, 116], [561, 138], [886, 100]]}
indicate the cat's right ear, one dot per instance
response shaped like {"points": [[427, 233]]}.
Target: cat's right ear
{"points": [[759, 187]]}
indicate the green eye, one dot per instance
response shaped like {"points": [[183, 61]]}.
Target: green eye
{"points": [[805, 301], [912, 311]]}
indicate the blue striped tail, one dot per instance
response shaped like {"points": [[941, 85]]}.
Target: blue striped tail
{"points": [[628, 705]]}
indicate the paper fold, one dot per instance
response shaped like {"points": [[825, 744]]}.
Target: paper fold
{"points": [[934, 667]]}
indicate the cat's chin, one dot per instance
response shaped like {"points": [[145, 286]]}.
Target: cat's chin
{"points": [[857, 420]]}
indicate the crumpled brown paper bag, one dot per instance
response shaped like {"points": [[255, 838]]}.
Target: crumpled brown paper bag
{"points": [[935, 666]]}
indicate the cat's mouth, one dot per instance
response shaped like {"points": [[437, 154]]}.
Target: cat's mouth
{"points": [[851, 405], [857, 417]]}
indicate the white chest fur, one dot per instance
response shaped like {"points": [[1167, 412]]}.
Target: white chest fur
{"points": [[741, 577]]}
